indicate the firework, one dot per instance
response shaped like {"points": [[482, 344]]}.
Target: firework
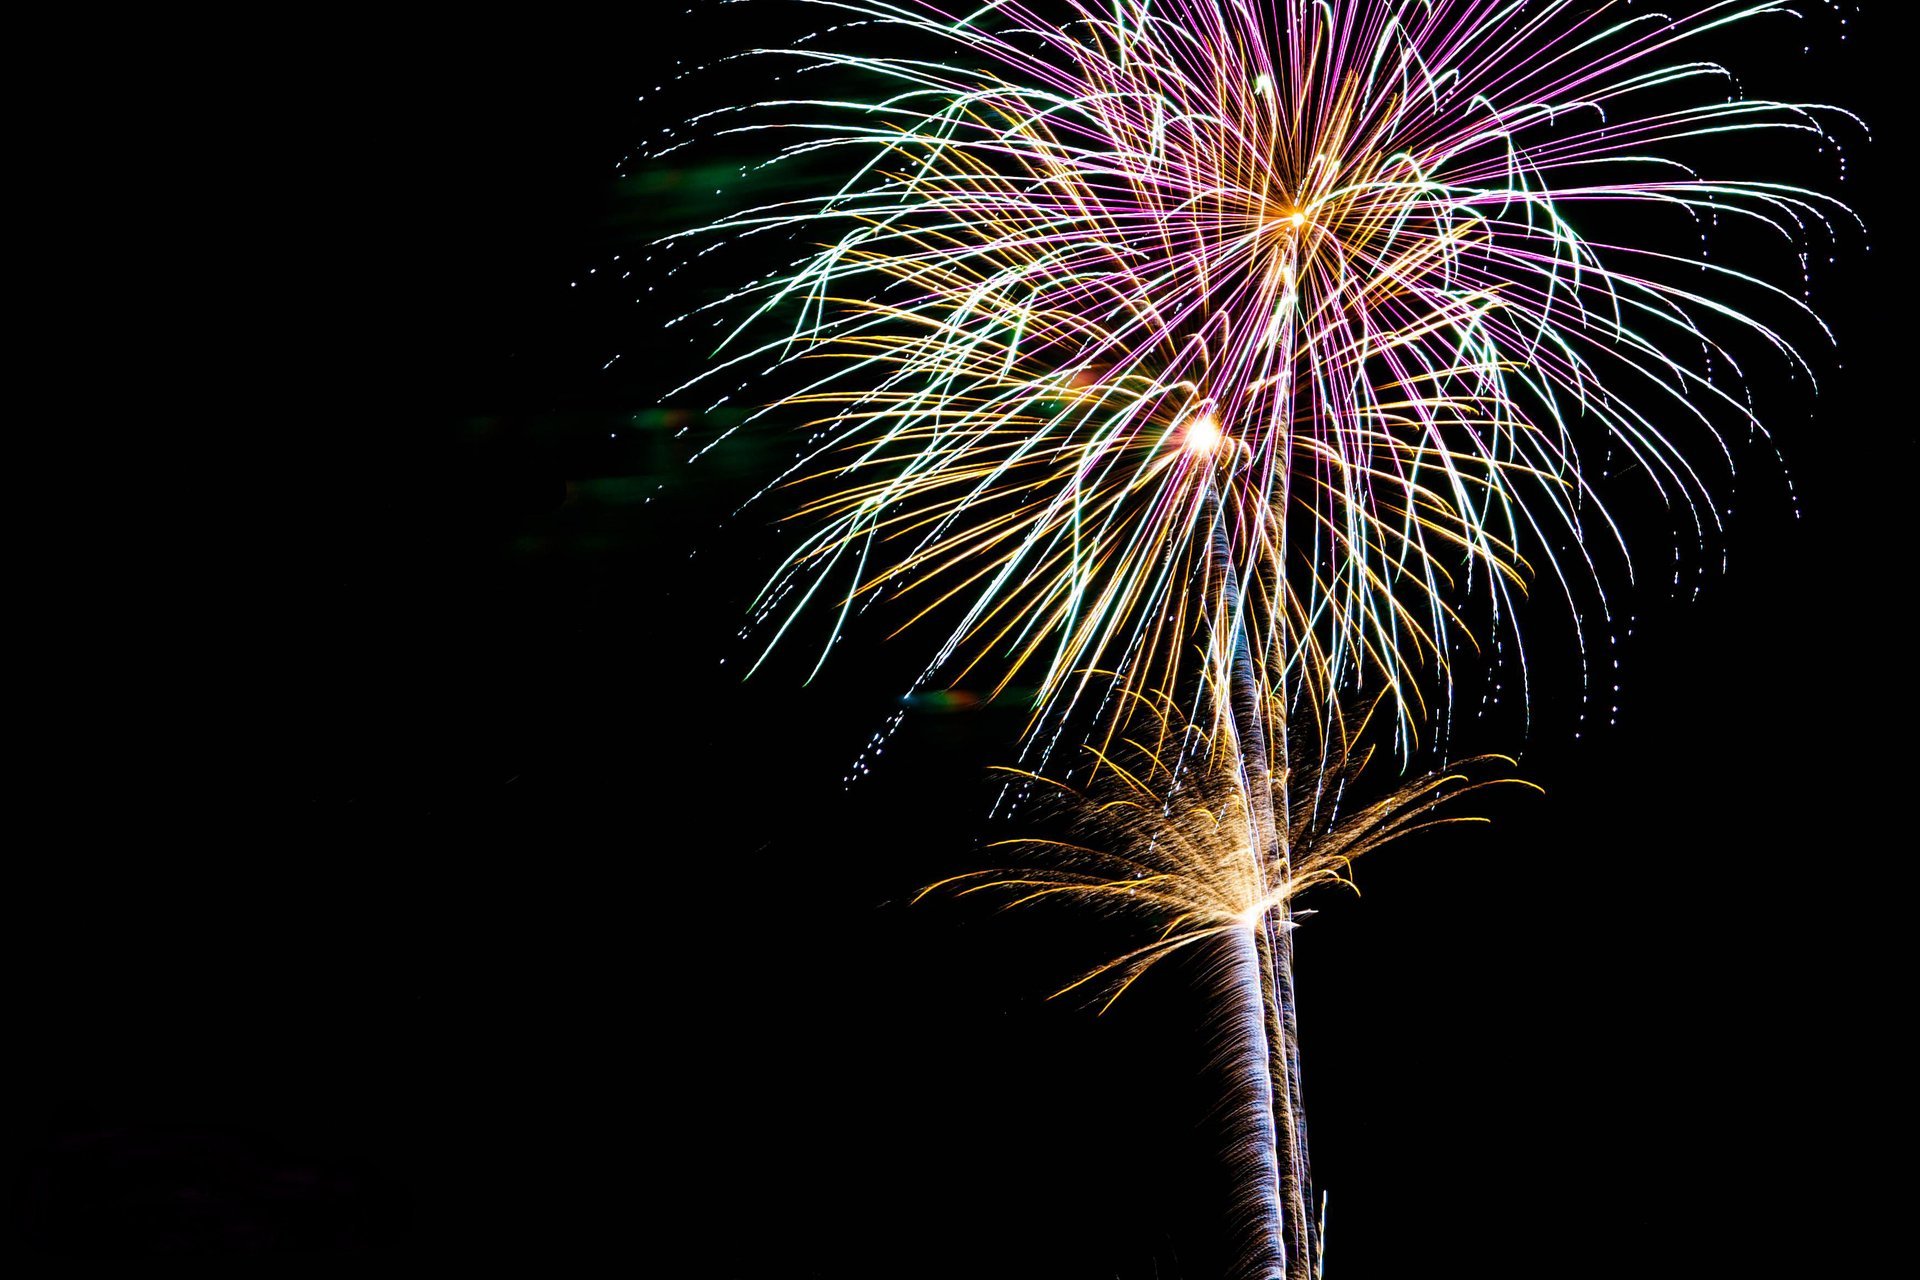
{"points": [[1243, 358], [1105, 280]]}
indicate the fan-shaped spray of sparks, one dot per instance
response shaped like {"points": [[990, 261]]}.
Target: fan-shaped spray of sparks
{"points": [[1104, 277], [1168, 831]]}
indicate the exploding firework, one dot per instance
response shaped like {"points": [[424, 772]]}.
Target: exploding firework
{"points": [[1105, 281]]}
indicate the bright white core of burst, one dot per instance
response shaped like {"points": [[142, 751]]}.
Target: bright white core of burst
{"points": [[1203, 434]]}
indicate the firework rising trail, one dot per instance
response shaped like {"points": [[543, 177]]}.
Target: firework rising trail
{"points": [[1171, 835], [1246, 357]]}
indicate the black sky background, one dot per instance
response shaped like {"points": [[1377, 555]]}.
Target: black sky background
{"points": [[411, 877]]}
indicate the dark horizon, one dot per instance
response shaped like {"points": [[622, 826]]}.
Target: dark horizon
{"points": [[444, 895]]}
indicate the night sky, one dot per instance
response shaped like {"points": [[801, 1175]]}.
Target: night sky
{"points": [[419, 879]]}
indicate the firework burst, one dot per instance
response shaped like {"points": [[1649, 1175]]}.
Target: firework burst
{"points": [[1105, 280]]}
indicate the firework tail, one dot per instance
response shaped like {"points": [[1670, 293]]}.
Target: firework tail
{"points": [[1275, 932], [1251, 1131], [1261, 969]]}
